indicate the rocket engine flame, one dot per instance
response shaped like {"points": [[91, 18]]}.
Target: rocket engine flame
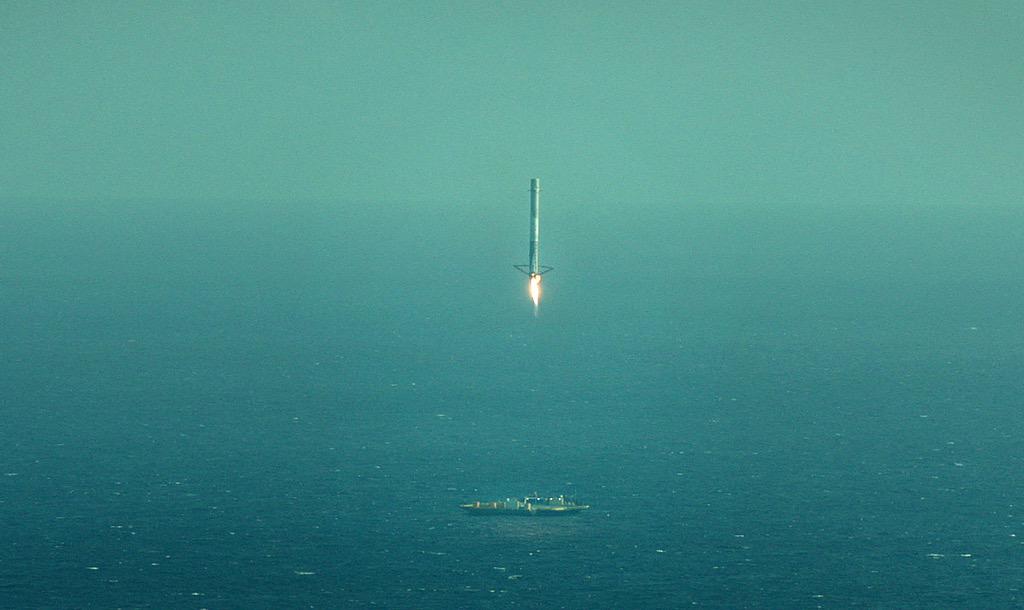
{"points": [[535, 290]]}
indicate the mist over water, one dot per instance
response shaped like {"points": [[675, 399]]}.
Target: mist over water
{"points": [[233, 408]]}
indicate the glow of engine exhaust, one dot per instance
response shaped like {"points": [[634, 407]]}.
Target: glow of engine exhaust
{"points": [[535, 290]]}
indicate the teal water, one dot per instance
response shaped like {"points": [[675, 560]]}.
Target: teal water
{"points": [[283, 406]]}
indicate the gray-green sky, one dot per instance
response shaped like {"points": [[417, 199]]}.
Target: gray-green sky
{"points": [[836, 103]]}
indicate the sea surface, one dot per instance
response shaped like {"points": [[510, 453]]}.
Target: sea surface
{"points": [[282, 407]]}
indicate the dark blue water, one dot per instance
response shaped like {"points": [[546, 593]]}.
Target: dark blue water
{"points": [[276, 409]]}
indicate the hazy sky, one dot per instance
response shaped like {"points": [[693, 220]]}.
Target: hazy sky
{"points": [[830, 103]]}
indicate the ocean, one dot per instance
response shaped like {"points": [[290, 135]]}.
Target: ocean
{"points": [[269, 406]]}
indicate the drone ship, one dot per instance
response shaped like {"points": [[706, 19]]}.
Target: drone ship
{"points": [[530, 506]]}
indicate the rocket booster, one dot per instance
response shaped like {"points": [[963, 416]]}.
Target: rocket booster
{"points": [[535, 226], [534, 269]]}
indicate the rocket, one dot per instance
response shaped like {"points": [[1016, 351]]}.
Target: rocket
{"points": [[534, 269]]}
